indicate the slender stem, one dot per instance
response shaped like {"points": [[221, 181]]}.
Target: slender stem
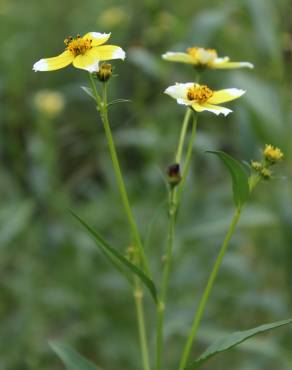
{"points": [[165, 279], [207, 291], [138, 295], [183, 132], [172, 211], [187, 160], [102, 105]]}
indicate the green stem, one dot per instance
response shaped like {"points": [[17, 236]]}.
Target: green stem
{"points": [[183, 135], [165, 279], [172, 211], [207, 291], [102, 105], [187, 160], [138, 295]]}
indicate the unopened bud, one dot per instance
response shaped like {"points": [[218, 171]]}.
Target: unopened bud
{"points": [[266, 173], [173, 174], [273, 154], [105, 72]]}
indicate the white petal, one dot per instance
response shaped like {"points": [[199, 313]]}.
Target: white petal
{"points": [[179, 90], [92, 67]]}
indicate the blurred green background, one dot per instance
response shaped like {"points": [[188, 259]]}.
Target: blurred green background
{"points": [[54, 283]]}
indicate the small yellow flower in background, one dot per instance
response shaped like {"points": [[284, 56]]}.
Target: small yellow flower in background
{"points": [[49, 102], [273, 154], [202, 98], [257, 166], [83, 52], [204, 58]]}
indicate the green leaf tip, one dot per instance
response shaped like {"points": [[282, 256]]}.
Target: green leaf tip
{"points": [[239, 177], [233, 340], [71, 358], [114, 256]]}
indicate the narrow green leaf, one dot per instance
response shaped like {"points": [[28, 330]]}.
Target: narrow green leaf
{"points": [[238, 175], [116, 101], [71, 359], [108, 250], [88, 91], [233, 340]]}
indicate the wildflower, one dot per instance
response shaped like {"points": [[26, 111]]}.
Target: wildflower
{"points": [[204, 58], [49, 102], [201, 97], [83, 52], [257, 166], [273, 154]]}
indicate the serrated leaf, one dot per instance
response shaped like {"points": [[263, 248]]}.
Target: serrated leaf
{"points": [[71, 359], [233, 340], [239, 177], [88, 91], [108, 250]]}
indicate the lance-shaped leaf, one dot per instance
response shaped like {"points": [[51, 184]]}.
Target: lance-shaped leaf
{"points": [[71, 359], [239, 177], [88, 91], [111, 253], [233, 340]]}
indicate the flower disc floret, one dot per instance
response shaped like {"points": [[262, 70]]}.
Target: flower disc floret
{"points": [[199, 93], [79, 45]]}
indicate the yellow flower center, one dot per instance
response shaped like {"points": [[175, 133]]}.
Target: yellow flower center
{"points": [[202, 56], [199, 93], [78, 46]]}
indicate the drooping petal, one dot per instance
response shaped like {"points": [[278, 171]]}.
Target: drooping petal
{"points": [[108, 52], [97, 37], [225, 95], [52, 64], [224, 63], [217, 109], [179, 91], [178, 57]]}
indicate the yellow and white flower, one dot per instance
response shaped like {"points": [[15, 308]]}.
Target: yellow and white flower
{"points": [[83, 52], [204, 58], [202, 98]]}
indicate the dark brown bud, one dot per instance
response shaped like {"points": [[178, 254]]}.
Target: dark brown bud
{"points": [[173, 174]]}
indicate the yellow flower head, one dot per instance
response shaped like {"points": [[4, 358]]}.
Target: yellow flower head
{"points": [[83, 52], [273, 154], [202, 98], [204, 58], [49, 102]]}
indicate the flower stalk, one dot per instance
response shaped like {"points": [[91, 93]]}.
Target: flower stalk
{"points": [[208, 289], [138, 292]]}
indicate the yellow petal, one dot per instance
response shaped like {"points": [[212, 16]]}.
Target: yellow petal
{"points": [[211, 108], [222, 96], [97, 37], [87, 61], [108, 52], [52, 64], [224, 63], [178, 57]]}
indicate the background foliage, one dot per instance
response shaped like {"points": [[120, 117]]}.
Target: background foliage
{"points": [[54, 282]]}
